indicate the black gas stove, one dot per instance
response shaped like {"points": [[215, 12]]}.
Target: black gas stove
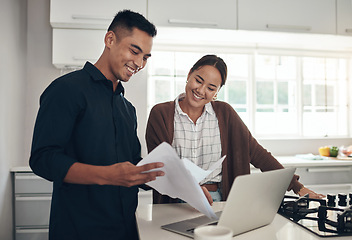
{"points": [[330, 217]]}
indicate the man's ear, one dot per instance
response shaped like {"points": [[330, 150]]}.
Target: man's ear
{"points": [[109, 39]]}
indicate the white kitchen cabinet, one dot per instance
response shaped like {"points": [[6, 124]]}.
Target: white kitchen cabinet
{"points": [[73, 47], [344, 17], [195, 13], [325, 175], [327, 180], [31, 201], [90, 13], [303, 16]]}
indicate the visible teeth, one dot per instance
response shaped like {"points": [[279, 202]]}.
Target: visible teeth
{"points": [[197, 96], [131, 69]]}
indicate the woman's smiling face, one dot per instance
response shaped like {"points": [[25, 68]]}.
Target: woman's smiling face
{"points": [[202, 86]]}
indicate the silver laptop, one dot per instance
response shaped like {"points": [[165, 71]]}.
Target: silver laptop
{"points": [[253, 201]]}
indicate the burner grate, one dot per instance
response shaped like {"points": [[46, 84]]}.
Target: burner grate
{"points": [[323, 218]]}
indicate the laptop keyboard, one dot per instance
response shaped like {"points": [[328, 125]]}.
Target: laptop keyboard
{"points": [[191, 230]]}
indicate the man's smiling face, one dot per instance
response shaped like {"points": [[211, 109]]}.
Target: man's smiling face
{"points": [[129, 54]]}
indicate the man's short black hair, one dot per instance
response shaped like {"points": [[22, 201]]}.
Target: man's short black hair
{"points": [[128, 19]]}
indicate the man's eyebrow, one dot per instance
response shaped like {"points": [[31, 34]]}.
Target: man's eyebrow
{"points": [[140, 49]]}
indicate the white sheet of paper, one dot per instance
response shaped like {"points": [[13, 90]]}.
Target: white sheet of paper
{"points": [[198, 173], [178, 181]]}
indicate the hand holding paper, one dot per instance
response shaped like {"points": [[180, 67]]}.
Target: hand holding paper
{"points": [[181, 178]]}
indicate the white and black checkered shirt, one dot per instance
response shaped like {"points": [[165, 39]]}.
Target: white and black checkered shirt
{"points": [[199, 142]]}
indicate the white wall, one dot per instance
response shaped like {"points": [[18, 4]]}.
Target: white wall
{"points": [[12, 92]]}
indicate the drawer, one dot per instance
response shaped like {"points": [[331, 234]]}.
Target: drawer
{"points": [[32, 210], [32, 234], [325, 175], [331, 188], [31, 183]]}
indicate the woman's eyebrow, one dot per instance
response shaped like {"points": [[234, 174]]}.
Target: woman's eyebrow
{"points": [[209, 83], [200, 77]]}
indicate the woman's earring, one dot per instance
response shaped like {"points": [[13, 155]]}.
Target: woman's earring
{"points": [[215, 98]]}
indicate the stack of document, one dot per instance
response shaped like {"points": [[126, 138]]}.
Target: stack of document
{"points": [[181, 179]]}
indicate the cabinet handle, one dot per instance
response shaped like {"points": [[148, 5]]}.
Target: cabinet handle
{"points": [[186, 22], [43, 198], [83, 59], [26, 230], [288, 27], [87, 17], [333, 169]]}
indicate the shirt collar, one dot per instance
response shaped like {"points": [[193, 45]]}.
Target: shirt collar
{"points": [[208, 107], [96, 75], [94, 72]]}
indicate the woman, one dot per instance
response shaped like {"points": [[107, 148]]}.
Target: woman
{"points": [[203, 130]]}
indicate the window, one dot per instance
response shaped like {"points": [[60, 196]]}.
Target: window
{"points": [[275, 95], [275, 106], [324, 96]]}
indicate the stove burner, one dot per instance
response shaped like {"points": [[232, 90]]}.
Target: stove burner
{"points": [[324, 218], [343, 224]]}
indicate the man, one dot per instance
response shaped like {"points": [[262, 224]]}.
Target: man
{"points": [[85, 139]]}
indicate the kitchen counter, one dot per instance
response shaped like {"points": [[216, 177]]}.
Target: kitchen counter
{"points": [[21, 169], [286, 161], [293, 161], [151, 217]]}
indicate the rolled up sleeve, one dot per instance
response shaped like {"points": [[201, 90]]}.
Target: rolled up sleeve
{"points": [[55, 120]]}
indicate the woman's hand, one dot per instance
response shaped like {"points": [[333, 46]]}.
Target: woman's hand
{"points": [[311, 193], [207, 195]]}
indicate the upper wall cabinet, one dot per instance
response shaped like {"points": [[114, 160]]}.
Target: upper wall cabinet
{"points": [[90, 13], [195, 13], [73, 47], [344, 17], [305, 16]]}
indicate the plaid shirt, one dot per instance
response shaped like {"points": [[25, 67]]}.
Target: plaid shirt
{"points": [[199, 142]]}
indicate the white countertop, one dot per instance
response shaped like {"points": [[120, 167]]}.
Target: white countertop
{"points": [[286, 161], [21, 169], [292, 161], [150, 217]]}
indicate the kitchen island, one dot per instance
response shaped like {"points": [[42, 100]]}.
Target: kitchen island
{"points": [[32, 197], [150, 217]]}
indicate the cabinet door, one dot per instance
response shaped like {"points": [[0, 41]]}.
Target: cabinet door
{"points": [[73, 47], [306, 16], [90, 13], [195, 13], [344, 17]]}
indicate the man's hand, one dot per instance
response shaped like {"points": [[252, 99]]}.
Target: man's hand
{"points": [[119, 174], [126, 174], [311, 193]]}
